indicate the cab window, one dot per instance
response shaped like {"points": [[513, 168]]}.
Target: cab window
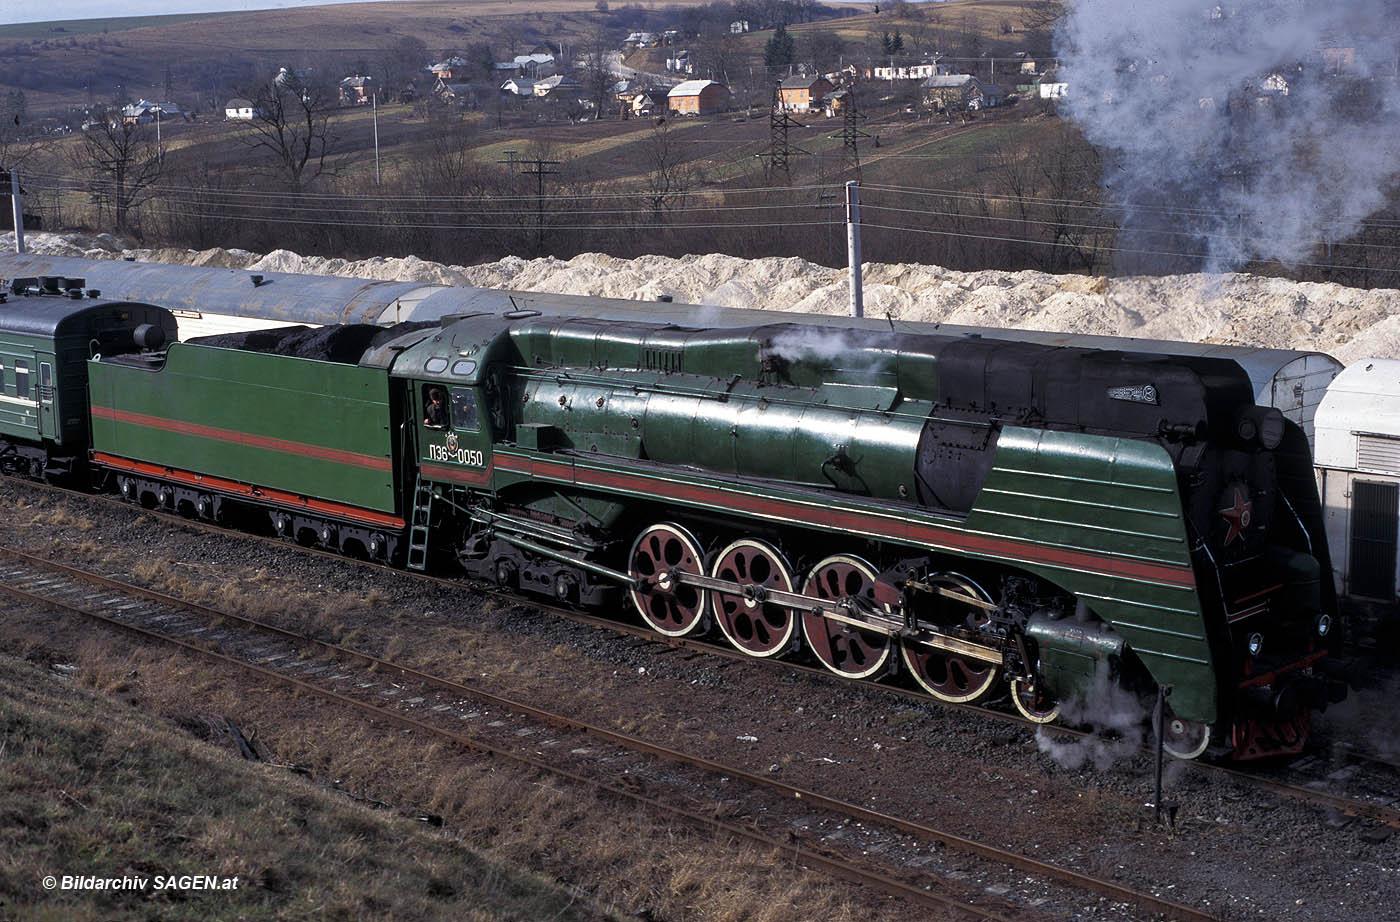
{"points": [[464, 414], [437, 413]]}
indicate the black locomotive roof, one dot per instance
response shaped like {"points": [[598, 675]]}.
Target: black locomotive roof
{"points": [[56, 315]]}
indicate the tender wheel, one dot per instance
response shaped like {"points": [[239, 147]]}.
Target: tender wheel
{"points": [[667, 605], [1035, 704], [949, 676], [1185, 739], [844, 649], [753, 625]]}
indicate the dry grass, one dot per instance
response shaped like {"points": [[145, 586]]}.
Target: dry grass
{"points": [[623, 859], [91, 789]]}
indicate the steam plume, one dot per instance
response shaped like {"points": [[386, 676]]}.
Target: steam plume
{"points": [[1253, 129]]}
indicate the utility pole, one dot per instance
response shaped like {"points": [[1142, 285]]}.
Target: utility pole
{"points": [[374, 109], [853, 248], [18, 207], [536, 168]]}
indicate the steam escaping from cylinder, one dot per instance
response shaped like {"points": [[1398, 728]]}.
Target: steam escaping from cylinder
{"points": [[1115, 718], [1262, 129]]}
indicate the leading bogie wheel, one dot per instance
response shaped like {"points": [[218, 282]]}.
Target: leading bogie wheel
{"points": [[1033, 702], [948, 676], [843, 648], [751, 623], [1184, 739], [658, 556]]}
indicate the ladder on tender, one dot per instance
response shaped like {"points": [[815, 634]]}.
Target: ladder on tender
{"points": [[419, 525]]}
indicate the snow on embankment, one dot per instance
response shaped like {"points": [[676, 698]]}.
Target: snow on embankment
{"points": [[1234, 308]]}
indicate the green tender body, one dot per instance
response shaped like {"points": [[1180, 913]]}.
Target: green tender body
{"points": [[312, 428]]}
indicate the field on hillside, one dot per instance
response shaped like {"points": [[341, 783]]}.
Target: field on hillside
{"points": [[70, 64]]}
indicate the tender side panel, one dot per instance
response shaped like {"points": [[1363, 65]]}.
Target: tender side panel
{"points": [[311, 428], [1118, 497]]}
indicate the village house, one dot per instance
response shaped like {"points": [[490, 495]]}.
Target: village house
{"points": [[357, 90], [921, 71], [698, 97], [946, 92], [681, 63], [643, 100], [802, 93], [834, 104], [462, 95], [559, 83], [452, 69], [239, 109], [143, 112], [520, 86], [536, 64]]}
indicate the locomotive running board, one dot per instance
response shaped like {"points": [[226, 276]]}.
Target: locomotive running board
{"points": [[841, 613]]}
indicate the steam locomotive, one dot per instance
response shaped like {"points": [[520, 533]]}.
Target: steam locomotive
{"points": [[978, 515]]}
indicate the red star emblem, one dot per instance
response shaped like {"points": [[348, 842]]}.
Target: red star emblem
{"points": [[1238, 516]]}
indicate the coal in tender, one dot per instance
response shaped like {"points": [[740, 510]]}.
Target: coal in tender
{"points": [[343, 343], [389, 334]]}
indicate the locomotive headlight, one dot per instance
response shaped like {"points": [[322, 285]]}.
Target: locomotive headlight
{"points": [[1255, 644], [1324, 625], [1263, 424]]}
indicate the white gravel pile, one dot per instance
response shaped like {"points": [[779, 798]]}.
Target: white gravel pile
{"points": [[1349, 323]]}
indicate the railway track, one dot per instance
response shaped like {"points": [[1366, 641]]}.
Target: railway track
{"points": [[1379, 805], [281, 655]]}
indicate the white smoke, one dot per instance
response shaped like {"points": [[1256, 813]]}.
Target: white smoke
{"points": [[1114, 717], [1256, 129]]}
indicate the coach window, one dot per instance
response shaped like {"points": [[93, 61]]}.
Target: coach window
{"points": [[2, 377], [464, 415], [21, 378]]}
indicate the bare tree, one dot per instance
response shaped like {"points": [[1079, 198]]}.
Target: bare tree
{"points": [[668, 176], [597, 76], [18, 143], [449, 165], [402, 63], [125, 160], [291, 128], [822, 49], [717, 55]]}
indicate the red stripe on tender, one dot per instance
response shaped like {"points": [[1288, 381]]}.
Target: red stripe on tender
{"points": [[234, 437], [248, 491], [857, 522], [474, 476]]}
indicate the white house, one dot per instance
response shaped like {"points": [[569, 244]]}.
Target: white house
{"points": [[520, 86], [906, 71], [238, 109]]}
